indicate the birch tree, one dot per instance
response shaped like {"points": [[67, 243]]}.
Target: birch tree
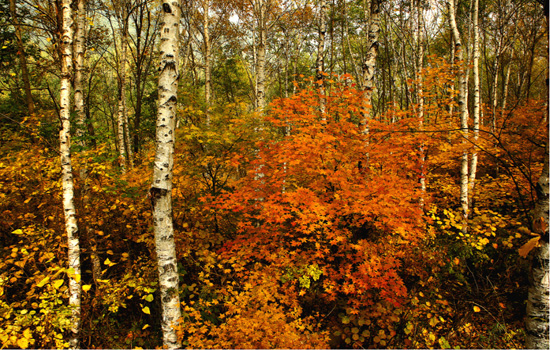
{"points": [[536, 323], [321, 53], [71, 225], [260, 9], [463, 107], [207, 64], [477, 97], [161, 189], [538, 308]]}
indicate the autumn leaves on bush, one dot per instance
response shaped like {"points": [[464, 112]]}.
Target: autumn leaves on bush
{"points": [[296, 230]]}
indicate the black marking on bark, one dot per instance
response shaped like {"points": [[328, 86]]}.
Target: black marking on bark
{"points": [[155, 194], [170, 65], [173, 99], [166, 8]]}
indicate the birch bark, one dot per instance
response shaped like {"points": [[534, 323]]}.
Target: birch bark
{"points": [[321, 56], [71, 226], [538, 308], [207, 68], [477, 98], [261, 54], [463, 107], [536, 322], [161, 189]]}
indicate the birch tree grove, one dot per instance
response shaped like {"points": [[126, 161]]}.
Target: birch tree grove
{"points": [[347, 174], [69, 210], [161, 189]]}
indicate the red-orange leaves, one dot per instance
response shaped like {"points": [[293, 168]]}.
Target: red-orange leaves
{"points": [[330, 196]]}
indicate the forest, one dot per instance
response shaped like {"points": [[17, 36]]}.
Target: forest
{"points": [[274, 174]]}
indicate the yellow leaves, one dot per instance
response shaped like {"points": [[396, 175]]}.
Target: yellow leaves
{"points": [[109, 262], [86, 287], [23, 343], [146, 310], [43, 282], [18, 232], [477, 309], [57, 283]]}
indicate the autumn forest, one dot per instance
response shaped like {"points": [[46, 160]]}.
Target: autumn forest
{"points": [[274, 174]]}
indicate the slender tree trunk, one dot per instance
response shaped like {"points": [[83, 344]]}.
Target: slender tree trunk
{"points": [[321, 56], [477, 98], [207, 68], [71, 225], [79, 42], [22, 58], [372, 10], [419, 42], [260, 68], [463, 106], [161, 189], [81, 128]]}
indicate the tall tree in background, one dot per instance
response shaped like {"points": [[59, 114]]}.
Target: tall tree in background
{"points": [[207, 64], [67, 174], [321, 52], [260, 11], [22, 57], [161, 189]]}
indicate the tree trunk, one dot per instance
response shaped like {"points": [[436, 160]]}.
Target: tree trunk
{"points": [[22, 58], [321, 56], [477, 98], [372, 10], [536, 323], [260, 68], [419, 42], [81, 128], [79, 42], [463, 106], [207, 69], [161, 189], [71, 226]]}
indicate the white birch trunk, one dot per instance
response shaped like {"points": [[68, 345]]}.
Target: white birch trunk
{"points": [[71, 226], [79, 41], [372, 10], [477, 98], [161, 189], [419, 41], [536, 322], [321, 56], [261, 55], [463, 107], [207, 68]]}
